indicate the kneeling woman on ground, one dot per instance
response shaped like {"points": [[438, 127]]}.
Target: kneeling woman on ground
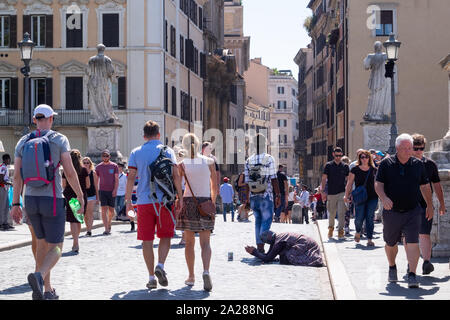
{"points": [[293, 248], [200, 175]]}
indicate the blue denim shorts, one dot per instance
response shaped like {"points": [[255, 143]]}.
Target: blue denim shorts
{"points": [[45, 224]]}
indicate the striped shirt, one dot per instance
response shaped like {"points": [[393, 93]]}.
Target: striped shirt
{"points": [[268, 171]]}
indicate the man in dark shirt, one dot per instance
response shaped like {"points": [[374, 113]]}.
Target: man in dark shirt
{"points": [[400, 180], [426, 225], [283, 183], [336, 172]]}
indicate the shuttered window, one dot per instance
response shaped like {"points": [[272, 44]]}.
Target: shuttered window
{"points": [[200, 18], [5, 93], [74, 30], [189, 60], [74, 93], [41, 91], [386, 25], [5, 31], [174, 101], [166, 97], [173, 42], [181, 49], [110, 29]]}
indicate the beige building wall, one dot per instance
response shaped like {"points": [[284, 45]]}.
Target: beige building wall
{"points": [[257, 80], [140, 58], [421, 103], [288, 117]]}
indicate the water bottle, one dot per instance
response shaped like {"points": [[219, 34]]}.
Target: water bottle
{"points": [[132, 214], [75, 206]]}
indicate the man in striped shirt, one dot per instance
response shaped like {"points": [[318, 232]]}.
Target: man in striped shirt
{"points": [[262, 203]]}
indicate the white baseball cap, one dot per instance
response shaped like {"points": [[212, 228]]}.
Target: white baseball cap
{"points": [[45, 110]]}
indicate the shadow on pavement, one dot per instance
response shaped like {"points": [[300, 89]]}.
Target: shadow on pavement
{"points": [[69, 254], [185, 293], [430, 281], [23, 288], [363, 247], [417, 294]]}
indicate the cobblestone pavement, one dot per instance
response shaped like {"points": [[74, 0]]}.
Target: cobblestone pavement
{"points": [[112, 267], [361, 272]]}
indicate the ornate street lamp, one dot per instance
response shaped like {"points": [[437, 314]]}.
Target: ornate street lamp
{"points": [[392, 46], [26, 53]]}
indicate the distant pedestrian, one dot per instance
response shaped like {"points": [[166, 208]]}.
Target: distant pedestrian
{"points": [[293, 249], [44, 201], [261, 176], [155, 210], [400, 180], [363, 175], [336, 173], [227, 194], [243, 193], [435, 185], [92, 195], [284, 186], [291, 201], [120, 198], [303, 199], [201, 190], [5, 225], [108, 175], [83, 178]]}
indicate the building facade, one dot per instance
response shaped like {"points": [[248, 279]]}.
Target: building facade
{"points": [[283, 91], [156, 47], [304, 59], [343, 33]]}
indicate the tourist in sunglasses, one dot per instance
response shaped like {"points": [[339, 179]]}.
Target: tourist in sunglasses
{"points": [[336, 173], [435, 184], [363, 174], [92, 195]]}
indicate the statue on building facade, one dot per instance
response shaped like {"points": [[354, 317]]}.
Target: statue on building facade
{"points": [[379, 106], [101, 74]]}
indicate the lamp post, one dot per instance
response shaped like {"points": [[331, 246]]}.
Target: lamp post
{"points": [[26, 52], [392, 46]]}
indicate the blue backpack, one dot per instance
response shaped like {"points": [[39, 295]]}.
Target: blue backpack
{"points": [[38, 169]]}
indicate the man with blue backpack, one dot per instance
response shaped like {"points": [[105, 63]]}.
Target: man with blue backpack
{"points": [[38, 156]]}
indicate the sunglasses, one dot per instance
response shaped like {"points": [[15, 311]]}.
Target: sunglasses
{"points": [[364, 157], [338, 155], [86, 163], [419, 148]]}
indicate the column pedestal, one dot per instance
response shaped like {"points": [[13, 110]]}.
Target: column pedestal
{"points": [[101, 137], [377, 135], [440, 233]]}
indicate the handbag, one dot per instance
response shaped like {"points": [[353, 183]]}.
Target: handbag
{"points": [[206, 208], [359, 195]]}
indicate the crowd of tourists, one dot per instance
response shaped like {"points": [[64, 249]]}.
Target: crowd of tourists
{"points": [[165, 189]]}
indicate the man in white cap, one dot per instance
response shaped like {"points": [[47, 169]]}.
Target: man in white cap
{"points": [[45, 203]]}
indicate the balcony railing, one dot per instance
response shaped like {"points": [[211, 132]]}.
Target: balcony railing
{"points": [[64, 117], [11, 117]]}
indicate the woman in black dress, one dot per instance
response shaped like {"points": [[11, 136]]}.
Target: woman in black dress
{"points": [[92, 195], [83, 177]]}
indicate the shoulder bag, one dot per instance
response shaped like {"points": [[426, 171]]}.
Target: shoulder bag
{"points": [[359, 195], [207, 208]]}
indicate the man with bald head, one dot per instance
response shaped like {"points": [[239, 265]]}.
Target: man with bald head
{"points": [[400, 181]]}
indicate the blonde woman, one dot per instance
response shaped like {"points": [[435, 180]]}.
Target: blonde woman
{"points": [[200, 173], [92, 195]]}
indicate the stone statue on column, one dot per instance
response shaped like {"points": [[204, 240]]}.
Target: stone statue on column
{"points": [[101, 75], [379, 105]]}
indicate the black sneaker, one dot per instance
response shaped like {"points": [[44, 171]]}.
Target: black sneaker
{"points": [[427, 267], [36, 283], [412, 281], [132, 226], [392, 274], [51, 295], [89, 234]]}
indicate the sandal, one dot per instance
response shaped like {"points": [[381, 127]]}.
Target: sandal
{"points": [[189, 283], [357, 237], [370, 243]]}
